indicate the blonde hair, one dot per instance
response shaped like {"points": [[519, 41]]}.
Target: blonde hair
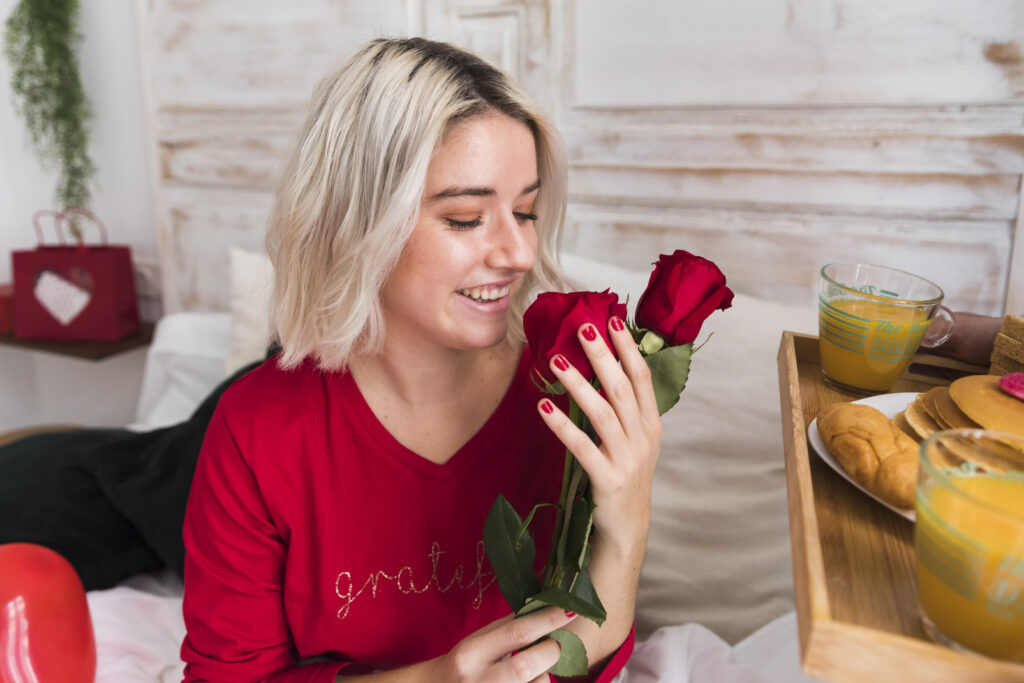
{"points": [[350, 195]]}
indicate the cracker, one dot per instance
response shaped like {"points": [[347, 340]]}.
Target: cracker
{"points": [[1008, 346]]}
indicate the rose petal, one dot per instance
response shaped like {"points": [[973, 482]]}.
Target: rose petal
{"points": [[1013, 384]]}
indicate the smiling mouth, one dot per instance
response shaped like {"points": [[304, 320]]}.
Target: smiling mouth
{"points": [[485, 294]]}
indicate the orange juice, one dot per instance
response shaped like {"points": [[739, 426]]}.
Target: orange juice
{"points": [[970, 561], [868, 344]]}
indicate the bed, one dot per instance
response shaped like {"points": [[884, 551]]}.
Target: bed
{"points": [[715, 599]]}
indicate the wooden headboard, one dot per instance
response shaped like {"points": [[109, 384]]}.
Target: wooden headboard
{"points": [[772, 137]]}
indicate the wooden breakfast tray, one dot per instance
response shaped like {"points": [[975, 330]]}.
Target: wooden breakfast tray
{"points": [[853, 559]]}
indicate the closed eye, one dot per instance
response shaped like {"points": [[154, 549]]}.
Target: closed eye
{"points": [[523, 217], [464, 225]]}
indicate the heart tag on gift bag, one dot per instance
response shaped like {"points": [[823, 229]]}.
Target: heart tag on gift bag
{"points": [[61, 298], [74, 291]]}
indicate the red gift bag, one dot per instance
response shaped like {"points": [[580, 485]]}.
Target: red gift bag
{"points": [[80, 292]]}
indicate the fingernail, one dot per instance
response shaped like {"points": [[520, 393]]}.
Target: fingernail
{"points": [[547, 406], [617, 324], [561, 363], [590, 333], [569, 614]]}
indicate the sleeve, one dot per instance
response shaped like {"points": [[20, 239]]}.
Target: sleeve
{"points": [[234, 573]]}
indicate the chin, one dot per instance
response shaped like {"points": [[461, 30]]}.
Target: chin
{"points": [[485, 340]]}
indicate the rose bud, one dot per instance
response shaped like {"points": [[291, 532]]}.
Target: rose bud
{"points": [[683, 291]]}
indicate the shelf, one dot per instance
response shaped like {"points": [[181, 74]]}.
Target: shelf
{"points": [[86, 350]]}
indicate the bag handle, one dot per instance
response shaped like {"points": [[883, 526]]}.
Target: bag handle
{"points": [[64, 217], [57, 217]]}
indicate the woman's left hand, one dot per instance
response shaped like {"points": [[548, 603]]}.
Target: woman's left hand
{"points": [[621, 469]]}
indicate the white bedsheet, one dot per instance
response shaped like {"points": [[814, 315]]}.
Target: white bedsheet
{"points": [[139, 629]]}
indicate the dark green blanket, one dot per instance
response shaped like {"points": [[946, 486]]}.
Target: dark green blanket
{"points": [[111, 501]]}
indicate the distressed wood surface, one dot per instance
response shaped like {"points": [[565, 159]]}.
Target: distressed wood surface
{"points": [[777, 256], [773, 138], [796, 51]]}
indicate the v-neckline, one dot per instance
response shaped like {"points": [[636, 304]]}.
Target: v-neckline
{"points": [[465, 454]]}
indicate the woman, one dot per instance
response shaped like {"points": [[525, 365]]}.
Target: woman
{"points": [[339, 501]]}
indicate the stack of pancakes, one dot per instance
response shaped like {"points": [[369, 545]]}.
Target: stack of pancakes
{"points": [[972, 402]]}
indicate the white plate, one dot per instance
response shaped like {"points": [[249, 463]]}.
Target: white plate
{"points": [[888, 405]]}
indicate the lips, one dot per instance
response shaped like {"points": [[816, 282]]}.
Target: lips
{"points": [[486, 293]]}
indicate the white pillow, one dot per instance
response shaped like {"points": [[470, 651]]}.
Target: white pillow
{"points": [[184, 363], [718, 551], [251, 282]]}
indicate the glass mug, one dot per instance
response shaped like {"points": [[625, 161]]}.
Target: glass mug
{"points": [[871, 321], [969, 541]]}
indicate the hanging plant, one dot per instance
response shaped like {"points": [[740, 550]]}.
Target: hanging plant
{"points": [[41, 42]]}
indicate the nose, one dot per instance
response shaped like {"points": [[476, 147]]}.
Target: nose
{"points": [[514, 246]]}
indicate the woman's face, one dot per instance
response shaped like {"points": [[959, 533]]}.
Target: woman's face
{"points": [[474, 241]]}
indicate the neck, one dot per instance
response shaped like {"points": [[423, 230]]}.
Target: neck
{"points": [[432, 377]]}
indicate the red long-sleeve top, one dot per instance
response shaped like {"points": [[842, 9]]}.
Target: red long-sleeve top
{"points": [[312, 533]]}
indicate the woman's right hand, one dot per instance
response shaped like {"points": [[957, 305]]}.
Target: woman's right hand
{"points": [[500, 652]]}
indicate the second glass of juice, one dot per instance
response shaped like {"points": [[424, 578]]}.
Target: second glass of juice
{"points": [[871, 321], [969, 541]]}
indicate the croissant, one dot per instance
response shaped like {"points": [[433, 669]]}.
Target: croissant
{"points": [[876, 453]]}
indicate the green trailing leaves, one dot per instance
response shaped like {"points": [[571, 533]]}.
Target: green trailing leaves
{"points": [[511, 553], [41, 42], [670, 368], [573, 660]]}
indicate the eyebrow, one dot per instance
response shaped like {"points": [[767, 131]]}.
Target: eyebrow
{"points": [[476, 192]]}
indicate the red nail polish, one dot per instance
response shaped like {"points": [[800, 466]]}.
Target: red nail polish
{"points": [[547, 406], [570, 614], [590, 333], [617, 324], [561, 363]]}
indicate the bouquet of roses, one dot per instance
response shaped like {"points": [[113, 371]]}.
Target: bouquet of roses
{"points": [[683, 291]]}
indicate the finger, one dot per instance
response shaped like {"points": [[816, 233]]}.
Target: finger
{"points": [[616, 384], [600, 412], [532, 663], [497, 623], [519, 633], [635, 367], [579, 444]]}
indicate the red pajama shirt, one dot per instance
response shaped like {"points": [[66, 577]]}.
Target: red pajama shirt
{"points": [[311, 533]]}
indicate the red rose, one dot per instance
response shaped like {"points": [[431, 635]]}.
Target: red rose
{"points": [[552, 320], [683, 291]]}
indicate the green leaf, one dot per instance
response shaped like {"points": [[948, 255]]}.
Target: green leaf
{"points": [[670, 368], [529, 518], [558, 597], [512, 561], [579, 533], [584, 590], [573, 660], [546, 387]]}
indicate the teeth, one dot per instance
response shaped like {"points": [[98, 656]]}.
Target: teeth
{"points": [[485, 293]]}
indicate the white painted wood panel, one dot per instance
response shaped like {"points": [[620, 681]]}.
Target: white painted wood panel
{"points": [[772, 136], [777, 256], [925, 194], [201, 226], [256, 53], [713, 52]]}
